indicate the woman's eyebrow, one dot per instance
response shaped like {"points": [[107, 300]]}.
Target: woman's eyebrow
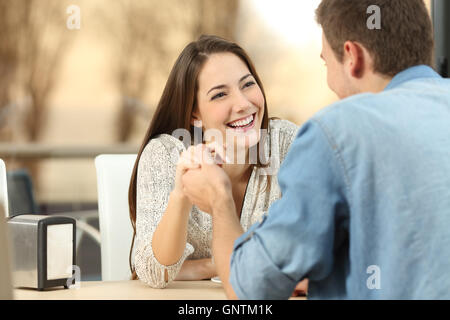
{"points": [[216, 87], [245, 77], [223, 86]]}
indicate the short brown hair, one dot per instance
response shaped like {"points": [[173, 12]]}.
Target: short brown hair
{"points": [[404, 40]]}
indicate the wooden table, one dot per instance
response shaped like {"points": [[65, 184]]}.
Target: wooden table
{"points": [[129, 290]]}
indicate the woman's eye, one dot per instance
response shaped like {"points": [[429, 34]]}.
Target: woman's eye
{"points": [[249, 84], [219, 95]]}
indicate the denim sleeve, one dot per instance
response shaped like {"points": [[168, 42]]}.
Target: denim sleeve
{"points": [[296, 238]]}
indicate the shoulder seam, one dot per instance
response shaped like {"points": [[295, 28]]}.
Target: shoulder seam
{"points": [[333, 145], [166, 147]]}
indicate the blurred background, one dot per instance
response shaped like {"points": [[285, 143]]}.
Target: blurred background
{"points": [[83, 77]]}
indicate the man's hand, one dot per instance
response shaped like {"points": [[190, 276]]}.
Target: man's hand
{"points": [[301, 289], [209, 188], [205, 185]]}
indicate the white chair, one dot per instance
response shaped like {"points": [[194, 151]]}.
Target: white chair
{"points": [[3, 188], [113, 180]]}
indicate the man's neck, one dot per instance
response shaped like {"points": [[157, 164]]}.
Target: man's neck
{"points": [[375, 83]]}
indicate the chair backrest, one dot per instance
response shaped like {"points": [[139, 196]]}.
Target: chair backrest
{"points": [[20, 193], [113, 180], [3, 189]]}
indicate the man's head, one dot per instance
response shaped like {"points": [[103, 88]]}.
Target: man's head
{"points": [[363, 59]]}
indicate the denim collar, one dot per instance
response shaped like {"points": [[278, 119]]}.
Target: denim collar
{"points": [[412, 73]]}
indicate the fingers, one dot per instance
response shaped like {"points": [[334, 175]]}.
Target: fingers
{"points": [[212, 153], [301, 289], [199, 203], [218, 152], [188, 160], [200, 154]]}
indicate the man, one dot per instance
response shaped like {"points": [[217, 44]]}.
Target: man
{"points": [[365, 211]]}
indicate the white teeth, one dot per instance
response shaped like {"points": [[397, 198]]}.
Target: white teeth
{"points": [[242, 123]]}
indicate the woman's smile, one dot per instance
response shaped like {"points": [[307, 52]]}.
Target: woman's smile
{"points": [[243, 124]]}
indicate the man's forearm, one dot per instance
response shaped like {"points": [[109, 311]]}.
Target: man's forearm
{"points": [[226, 229]]}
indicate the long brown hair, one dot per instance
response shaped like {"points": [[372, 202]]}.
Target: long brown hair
{"points": [[178, 101]]}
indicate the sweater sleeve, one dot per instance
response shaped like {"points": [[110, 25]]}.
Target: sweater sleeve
{"points": [[155, 181]]}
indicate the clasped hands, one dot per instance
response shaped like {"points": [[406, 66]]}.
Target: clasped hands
{"points": [[200, 177], [202, 180]]}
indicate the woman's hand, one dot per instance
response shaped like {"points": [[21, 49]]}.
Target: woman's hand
{"points": [[186, 162], [204, 185]]}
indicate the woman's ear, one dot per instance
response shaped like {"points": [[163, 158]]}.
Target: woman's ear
{"points": [[196, 120]]}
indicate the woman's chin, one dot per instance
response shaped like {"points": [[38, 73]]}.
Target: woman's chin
{"points": [[252, 139], [243, 143]]}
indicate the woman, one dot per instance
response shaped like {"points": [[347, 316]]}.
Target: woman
{"points": [[213, 87]]}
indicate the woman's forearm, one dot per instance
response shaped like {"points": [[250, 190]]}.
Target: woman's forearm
{"points": [[197, 270], [169, 239]]}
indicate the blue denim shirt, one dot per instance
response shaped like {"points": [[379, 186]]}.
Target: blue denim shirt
{"points": [[365, 207]]}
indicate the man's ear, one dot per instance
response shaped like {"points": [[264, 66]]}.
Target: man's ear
{"points": [[355, 59]]}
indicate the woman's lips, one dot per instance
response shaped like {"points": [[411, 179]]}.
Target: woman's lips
{"points": [[245, 128]]}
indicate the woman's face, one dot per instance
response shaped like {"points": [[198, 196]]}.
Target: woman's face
{"points": [[229, 100]]}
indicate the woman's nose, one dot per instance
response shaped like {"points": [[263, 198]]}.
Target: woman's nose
{"points": [[241, 102]]}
